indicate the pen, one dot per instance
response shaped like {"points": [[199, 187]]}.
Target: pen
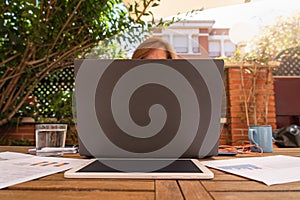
{"points": [[55, 149]]}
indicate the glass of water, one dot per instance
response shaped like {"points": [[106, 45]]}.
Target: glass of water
{"points": [[50, 139]]}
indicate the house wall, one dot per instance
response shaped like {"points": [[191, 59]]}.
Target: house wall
{"points": [[198, 40]]}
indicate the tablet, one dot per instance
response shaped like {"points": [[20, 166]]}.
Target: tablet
{"points": [[178, 169]]}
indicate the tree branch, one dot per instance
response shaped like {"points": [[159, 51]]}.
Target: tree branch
{"points": [[9, 59], [143, 12], [7, 92], [65, 25]]}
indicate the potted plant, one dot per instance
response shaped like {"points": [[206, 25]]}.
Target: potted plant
{"points": [[250, 98], [254, 69]]}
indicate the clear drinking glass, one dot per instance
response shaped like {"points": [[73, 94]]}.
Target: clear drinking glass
{"points": [[50, 139]]}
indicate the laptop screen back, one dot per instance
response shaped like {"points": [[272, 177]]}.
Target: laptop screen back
{"points": [[149, 108]]}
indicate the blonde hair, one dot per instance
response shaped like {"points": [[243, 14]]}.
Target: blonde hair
{"points": [[153, 43]]}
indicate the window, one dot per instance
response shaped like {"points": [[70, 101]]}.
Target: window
{"points": [[195, 44], [229, 48], [180, 43], [214, 47]]}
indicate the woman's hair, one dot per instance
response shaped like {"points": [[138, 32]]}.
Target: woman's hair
{"points": [[153, 43]]}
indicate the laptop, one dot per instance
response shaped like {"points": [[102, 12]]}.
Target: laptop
{"points": [[147, 116]]}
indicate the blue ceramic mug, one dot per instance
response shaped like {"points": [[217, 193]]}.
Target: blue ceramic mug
{"points": [[261, 136]]}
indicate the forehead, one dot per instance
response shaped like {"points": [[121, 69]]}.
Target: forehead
{"points": [[156, 54]]}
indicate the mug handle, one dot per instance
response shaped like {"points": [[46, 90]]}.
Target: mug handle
{"points": [[250, 135]]}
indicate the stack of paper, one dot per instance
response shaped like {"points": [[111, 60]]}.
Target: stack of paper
{"points": [[18, 168], [269, 170]]}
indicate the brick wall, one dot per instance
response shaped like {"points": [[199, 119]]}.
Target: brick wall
{"points": [[18, 135], [260, 100], [24, 134]]}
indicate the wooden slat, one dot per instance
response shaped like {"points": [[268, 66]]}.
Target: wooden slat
{"points": [[223, 186], [255, 195], [248, 186], [223, 176], [167, 190], [60, 177], [192, 189], [74, 195], [287, 151], [53, 177], [19, 149], [229, 177], [91, 184]]}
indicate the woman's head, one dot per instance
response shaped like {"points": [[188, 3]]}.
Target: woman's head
{"points": [[154, 48]]}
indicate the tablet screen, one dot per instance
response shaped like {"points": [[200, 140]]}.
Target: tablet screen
{"points": [[178, 166]]}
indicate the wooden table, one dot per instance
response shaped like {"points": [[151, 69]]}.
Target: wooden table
{"points": [[223, 186]]}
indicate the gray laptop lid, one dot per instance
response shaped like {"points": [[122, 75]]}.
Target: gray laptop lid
{"points": [[148, 108]]}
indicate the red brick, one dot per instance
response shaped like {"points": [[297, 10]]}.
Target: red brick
{"points": [[236, 87], [234, 81], [235, 109], [235, 76], [239, 137], [238, 125]]}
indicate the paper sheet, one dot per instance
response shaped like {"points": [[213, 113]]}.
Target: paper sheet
{"points": [[12, 155], [18, 168], [269, 170]]}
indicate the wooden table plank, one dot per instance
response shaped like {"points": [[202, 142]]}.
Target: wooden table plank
{"points": [[91, 184], [53, 177], [229, 177], [18, 149], [167, 190], [223, 176], [255, 195], [193, 189], [248, 186], [74, 195], [285, 151], [223, 186]]}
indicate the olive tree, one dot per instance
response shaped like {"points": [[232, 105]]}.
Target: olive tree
{"points": [[40, 37], [263, 53], [273, 39]]}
